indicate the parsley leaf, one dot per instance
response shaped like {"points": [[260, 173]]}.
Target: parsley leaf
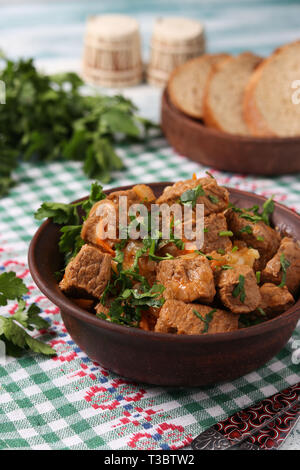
{"points": [[13, 328], [226, 233], [262, 312], [19, 337], [252, 213], [207, 319], [126, 309], [239, 290], [60, 213], [268, 209], [11, 287], [285, 264], [213, 199], [191, 195], [246, 229]]}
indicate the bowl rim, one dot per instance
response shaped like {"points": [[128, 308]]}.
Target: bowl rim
{"points": [[69, 307], [198, 124]]}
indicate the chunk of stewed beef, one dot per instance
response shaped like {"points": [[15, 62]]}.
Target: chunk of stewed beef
{"points": [[141, 193], [258, 235], [214, 197], [187, 278], [95, 225], [284, 267], [148, 319], [215, 238], [274, 300], [238, 289], [87, 274], [185, 319]]}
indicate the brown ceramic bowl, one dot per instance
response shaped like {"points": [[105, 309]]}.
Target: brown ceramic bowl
{"points": [[233, 153], [166, 359]]}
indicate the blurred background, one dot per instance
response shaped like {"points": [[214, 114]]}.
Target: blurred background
{"points": [[52, 31]]}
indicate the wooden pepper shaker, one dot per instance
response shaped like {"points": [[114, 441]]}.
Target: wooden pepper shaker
{"points": [[174, 41], [112, 51]]}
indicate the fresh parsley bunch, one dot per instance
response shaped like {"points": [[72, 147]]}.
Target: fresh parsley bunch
{"points": [[46, 118], [13, 328]]}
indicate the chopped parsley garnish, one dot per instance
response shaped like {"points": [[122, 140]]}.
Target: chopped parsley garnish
{"points": [[285, 264], [226, 266], [127, 307], [209, 174], [260, 239], [250, 217], [258, 276], [119, 257], [234, 249], [206, 229], [151, 245], [239, 290], [252, 213], [246, 229], [191, 195], [268, 209], [207, 319], [213, 199], [262, 312], [221, 251], [226, 233]]}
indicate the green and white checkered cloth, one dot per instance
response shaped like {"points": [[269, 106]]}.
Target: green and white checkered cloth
{"points": [[69, 402]]}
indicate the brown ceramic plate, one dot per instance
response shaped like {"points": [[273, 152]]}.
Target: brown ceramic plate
{"points": [[166, 359], [233, 153]]}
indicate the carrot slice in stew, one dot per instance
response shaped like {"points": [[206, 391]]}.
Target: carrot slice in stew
{"points": [[105, 246]]}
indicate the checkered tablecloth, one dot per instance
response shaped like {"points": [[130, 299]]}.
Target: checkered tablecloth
{"points": [[69, 402]]}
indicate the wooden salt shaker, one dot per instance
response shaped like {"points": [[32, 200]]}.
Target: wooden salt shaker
{"points": [[112, 51], [174, 41]]}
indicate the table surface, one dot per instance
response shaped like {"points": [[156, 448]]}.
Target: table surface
{"points": [[52, 33]]}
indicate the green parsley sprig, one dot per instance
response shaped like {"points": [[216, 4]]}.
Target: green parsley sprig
{"points": [[239, 290], [285, 264], [67, 215], [190, 196], [14, 328], [47, 118], [207, 319]]}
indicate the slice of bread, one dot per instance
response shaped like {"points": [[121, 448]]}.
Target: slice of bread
{"points": [[224, 93], [187, 82], [271, 96]]}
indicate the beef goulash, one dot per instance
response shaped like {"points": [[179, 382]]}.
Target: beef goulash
{"points": [[246, 272]]}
